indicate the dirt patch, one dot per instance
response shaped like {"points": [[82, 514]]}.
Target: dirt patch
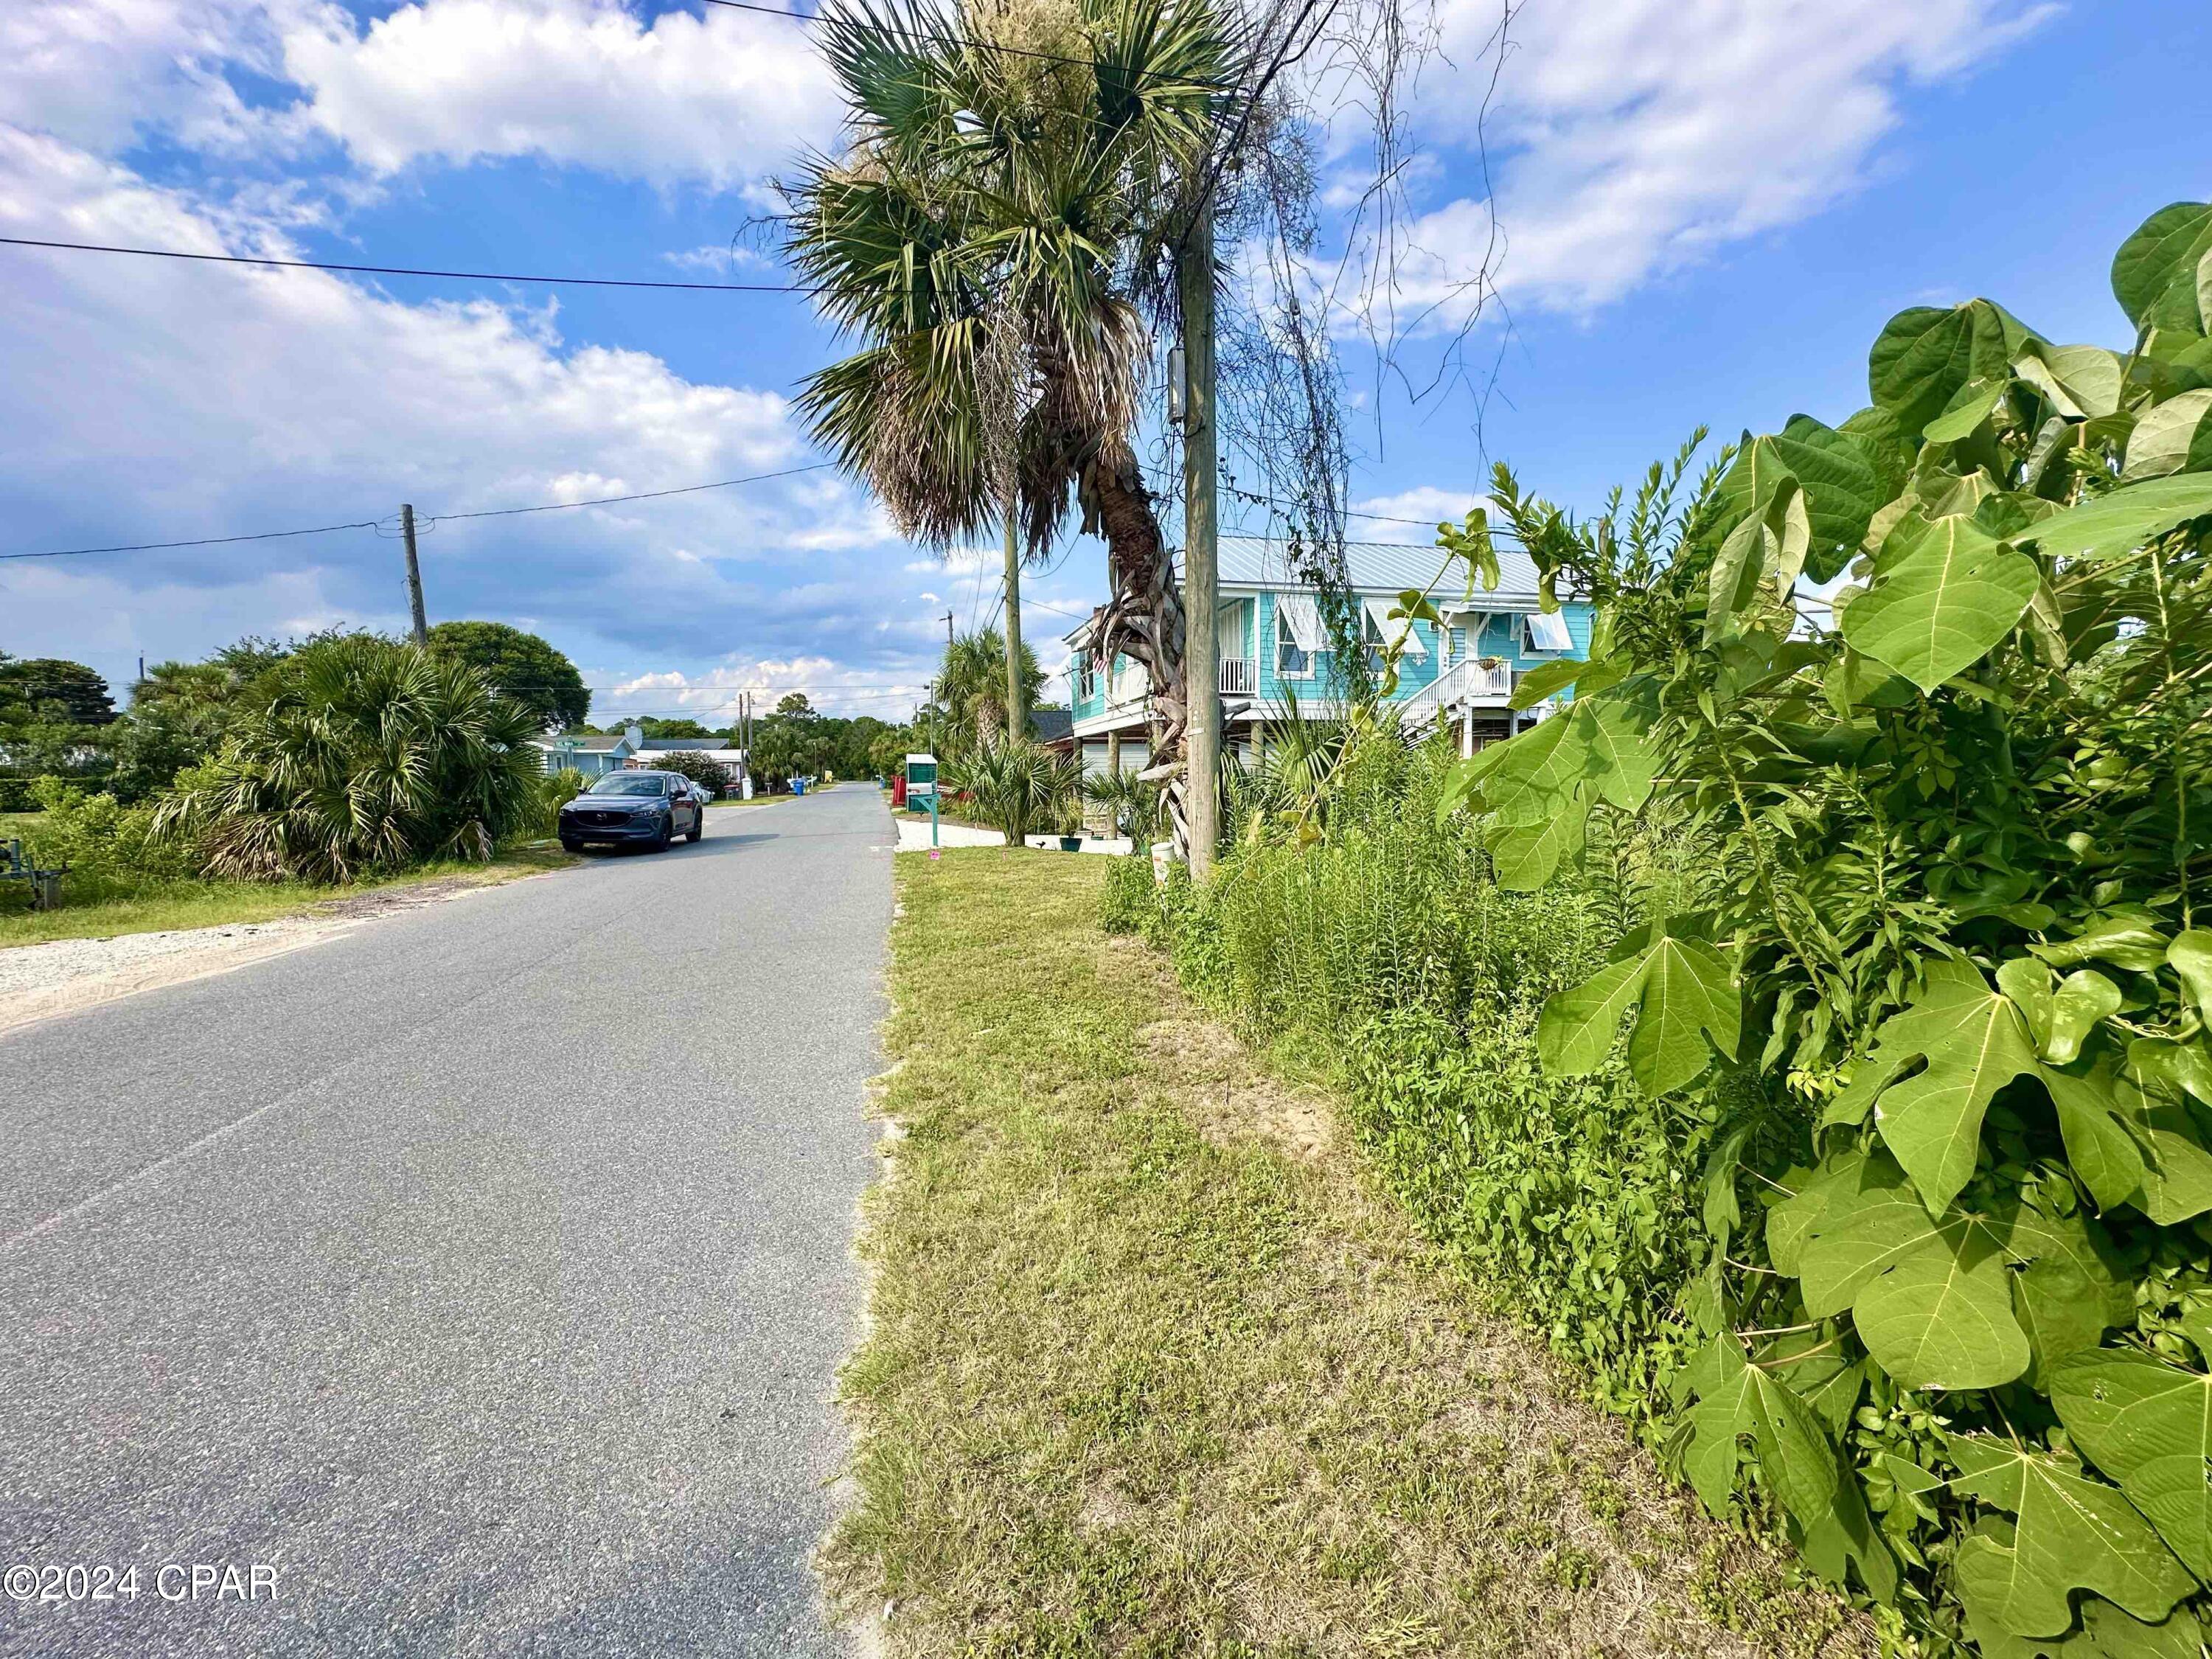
{"points": [[1230, 1098]]}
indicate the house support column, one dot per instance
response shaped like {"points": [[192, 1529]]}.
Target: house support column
{"points": [[1114, 753]]}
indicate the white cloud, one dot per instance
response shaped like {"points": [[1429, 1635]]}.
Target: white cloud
{"points": [[156, 402], [1632, 137], [1411, 515], [721, 100], [722, 259], [97, 72], [712, 697]]}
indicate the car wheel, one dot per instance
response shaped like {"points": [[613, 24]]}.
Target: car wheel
{"points": [[567, 845], [666, 834], [698, 824]]}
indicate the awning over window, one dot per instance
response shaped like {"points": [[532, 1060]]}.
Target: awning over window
{"points": [[1302, 617], [1548, 632], [1378, 612]]}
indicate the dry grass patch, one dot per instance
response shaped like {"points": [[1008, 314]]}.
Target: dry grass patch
{"points": [[1151, 1370]]}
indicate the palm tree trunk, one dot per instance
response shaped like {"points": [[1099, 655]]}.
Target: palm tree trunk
{"points": [[1143, 621], [1017, 711]]}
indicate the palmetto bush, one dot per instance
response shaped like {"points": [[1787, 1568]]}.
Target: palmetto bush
{"points": [[1132, 806], [1017, 787], [368, 755]]}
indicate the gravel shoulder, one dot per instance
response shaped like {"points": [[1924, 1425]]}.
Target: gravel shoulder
{"points": [[62, 976]]}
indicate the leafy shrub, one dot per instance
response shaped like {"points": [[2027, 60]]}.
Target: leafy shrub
{"points": [[703, 770], [369, 755], [1939, 980], [555, 791], [1128, 895], [1017, 787], [109, 850], [15, 795]]}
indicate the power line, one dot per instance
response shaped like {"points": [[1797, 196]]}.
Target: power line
{"points": [[372, 524], [204, 541], [408, 271], [640, 496]]}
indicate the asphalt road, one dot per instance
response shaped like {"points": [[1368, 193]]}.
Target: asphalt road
{"points": [[483, 1273]]}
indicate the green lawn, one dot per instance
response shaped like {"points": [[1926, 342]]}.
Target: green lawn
{"points": [[1152, 1370], [225, 904]]}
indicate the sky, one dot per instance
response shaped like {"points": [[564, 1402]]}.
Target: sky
{"points": [[1702, 210]]}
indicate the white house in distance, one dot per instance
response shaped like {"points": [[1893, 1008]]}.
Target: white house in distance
{"points": [[629, 749], [592, 755]]}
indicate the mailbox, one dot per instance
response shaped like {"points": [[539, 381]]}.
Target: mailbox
{"points": [[921, 776]]}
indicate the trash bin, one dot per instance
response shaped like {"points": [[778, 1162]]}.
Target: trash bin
{"points": [[799, 785]]}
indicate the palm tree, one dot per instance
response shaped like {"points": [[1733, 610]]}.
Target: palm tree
{"points": [[1011, 185], [973, 694]]}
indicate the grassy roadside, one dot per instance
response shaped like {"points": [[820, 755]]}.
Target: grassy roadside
{"points": [[182, 904], [1152, 1371]]}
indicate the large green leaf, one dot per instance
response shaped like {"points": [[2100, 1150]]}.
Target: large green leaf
{"points": [[2060, 1017], [1542, 681], [1526, 855], [2163, 253], [1941, 604], [1683, 993], [1972, 1042], [1924, 355], [2106, 1631], [1758, 564], [2060, 1313], [2129, 938], [1969, 407], [2148, 1425], [1842, 470], [1735, 1399], [1930, 1298], [2124, 520], [2190, 956], [1944, 1318], [2073, 1533], [2095, 1108], [2080, 381], [2174, 436]]}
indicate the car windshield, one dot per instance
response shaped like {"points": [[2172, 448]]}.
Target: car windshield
{"points": [[632, 783]]}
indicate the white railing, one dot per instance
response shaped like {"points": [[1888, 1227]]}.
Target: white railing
{"points": [[1469, 680], [1239, 675]]}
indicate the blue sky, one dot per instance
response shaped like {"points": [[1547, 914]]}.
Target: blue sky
{"points": [[1709, 207]]}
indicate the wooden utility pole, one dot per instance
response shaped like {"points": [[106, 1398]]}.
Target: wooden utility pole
{"points": [[414, 574], [1017, 707], [1201, 568]]}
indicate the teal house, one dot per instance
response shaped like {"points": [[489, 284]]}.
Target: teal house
{"points": [[1274, 648]]}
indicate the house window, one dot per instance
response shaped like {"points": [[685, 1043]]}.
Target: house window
{"points": [[1547, 631], [1086, 680], [1293, 661], [1378, 627]]}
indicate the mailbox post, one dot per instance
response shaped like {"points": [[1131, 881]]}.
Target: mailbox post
{"points": [[921, 778]]}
